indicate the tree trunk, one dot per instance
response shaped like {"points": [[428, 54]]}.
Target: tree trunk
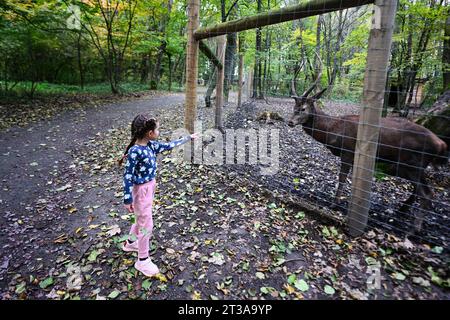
{"points": [[169, 58], [158, 69], [230, 57], [80, 66], [162, 48], [183, 72], [145, 67], [266, 49], [230, 52], [337, 47], [268, 83], [316, 59], [241, 69], [211, 85], [446, 56], [257, 73], [327, 42], [176, 64], [5, 75]]}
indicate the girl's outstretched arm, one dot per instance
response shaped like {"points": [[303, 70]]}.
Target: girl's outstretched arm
{"points": [[166, 146], [128, 176]]}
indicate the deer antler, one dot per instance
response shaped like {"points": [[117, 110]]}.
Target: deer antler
{"points": [[313, 86], [297, 69]]}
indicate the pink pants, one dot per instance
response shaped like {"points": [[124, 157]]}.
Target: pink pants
{"points": [[142, 202]]}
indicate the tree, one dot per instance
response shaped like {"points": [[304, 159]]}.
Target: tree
{"points": [[257, 81], [116, 17], [446, 55], [419, 24]]}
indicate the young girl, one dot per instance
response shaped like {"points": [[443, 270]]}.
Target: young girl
{"points": [[139, 185]]}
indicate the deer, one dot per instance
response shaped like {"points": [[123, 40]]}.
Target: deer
{"points": [[405, 148]]}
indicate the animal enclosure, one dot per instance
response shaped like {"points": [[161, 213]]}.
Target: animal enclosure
{"points": [[374, 149]]}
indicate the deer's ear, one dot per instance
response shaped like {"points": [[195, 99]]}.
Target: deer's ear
{"points": [[319, 94]]}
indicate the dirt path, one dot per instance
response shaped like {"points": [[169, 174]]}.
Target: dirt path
{"points": [[36, 157], [218, 233]]}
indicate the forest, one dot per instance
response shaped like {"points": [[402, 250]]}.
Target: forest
{"points": [[71, 46]]}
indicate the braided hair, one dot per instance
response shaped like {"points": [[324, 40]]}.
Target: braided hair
{"points": [[140, 126]]}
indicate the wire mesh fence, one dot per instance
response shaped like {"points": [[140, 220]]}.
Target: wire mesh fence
{"points": [[325, 57]]}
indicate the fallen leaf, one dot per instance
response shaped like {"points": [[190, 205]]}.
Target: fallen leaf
{"points": [[289, 288], [398, 276], [329, 290], [72, 210], [114, 294], [216, 258], [170, 251], [196, 295], [161, 277], [146, 284], [46, 283], [421, 281], [113, 230], [301, 285]]}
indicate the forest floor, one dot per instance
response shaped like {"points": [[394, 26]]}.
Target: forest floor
{"points": [[221, 232]]}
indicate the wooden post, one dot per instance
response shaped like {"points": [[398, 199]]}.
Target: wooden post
{"points": [[190, 111], [240, 71], [380, 39], [220, 78]]}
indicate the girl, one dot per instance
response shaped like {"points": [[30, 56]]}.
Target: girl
{"points": [[139, 185]]}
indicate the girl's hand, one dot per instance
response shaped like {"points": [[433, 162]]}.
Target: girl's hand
{"points": [[129, 207], [195, 136]]}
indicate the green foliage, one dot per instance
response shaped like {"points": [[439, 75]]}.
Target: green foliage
{"points": [[39, 48], [45, 88]]}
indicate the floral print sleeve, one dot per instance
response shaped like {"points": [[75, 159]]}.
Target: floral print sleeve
{"points": [[128, 176], [166, 146]]}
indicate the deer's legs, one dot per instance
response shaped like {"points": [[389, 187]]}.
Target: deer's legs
{"points": [[421, 192], [424, 193], [414, 177], [343, 173], [412, 198]]}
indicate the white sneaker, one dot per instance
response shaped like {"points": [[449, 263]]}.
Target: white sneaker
{"points": [[147, 267]]}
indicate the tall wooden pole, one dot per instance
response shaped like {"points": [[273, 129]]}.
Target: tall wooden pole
{"points": [[190, 112], [240, 71], [221, 40], [380, 39]]}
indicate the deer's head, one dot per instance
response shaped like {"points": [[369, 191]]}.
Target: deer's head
{"points": [[305, 107]]}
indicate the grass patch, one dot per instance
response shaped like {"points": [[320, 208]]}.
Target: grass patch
{"points": [[45, 88]]}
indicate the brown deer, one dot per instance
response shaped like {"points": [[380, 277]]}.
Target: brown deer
{"points": [[404, 147]]}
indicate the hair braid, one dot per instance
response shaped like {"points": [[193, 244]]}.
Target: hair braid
{"points": [[140, 126]]}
